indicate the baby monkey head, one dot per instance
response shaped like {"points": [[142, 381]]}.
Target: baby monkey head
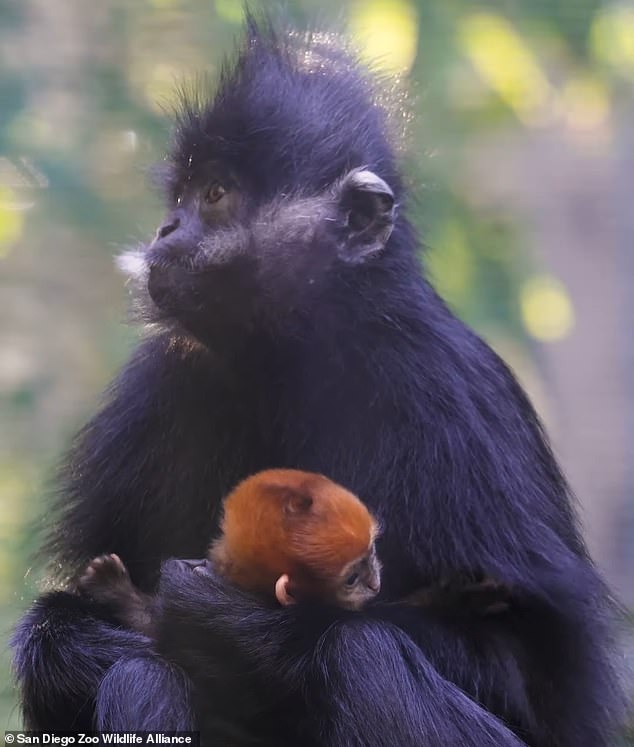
{"points": [[300, 536], [331, 541], [280, 186]]}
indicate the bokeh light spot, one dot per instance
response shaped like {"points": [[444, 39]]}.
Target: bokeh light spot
{"points": [[230, 10], [11, 220], [546, 309], [160, 87], [586, 103], [386, 32], [507, 65], [612, 37], [30, 130], [450, 263]]}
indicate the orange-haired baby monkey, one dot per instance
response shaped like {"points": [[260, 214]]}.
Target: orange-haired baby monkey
{"points": [[286, 534]]}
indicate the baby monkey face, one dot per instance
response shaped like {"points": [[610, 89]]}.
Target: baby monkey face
{"points": [[359, 581]]}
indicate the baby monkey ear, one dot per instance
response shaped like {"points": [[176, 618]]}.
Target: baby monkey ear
{"points": [[368, 212], [282, 594], [297, 503]]}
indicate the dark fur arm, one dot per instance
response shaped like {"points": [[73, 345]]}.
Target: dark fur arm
{"points": [[362, 680], [77, 670]]}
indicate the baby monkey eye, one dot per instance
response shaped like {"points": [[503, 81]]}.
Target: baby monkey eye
{"points": [[352, 579], [215, 192]]}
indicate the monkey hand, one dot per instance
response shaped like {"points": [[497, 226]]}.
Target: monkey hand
{"points": [[105, 579]]}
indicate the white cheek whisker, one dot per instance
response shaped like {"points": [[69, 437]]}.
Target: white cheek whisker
{"points": [[133, 264]]}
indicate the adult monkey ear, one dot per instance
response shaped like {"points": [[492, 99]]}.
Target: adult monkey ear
{"points": [[366, 203]]}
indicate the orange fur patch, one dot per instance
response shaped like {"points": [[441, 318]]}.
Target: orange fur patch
{"points": [[289, 521]]}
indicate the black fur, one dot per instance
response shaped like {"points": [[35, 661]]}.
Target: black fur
{"points": [[301, 351]]}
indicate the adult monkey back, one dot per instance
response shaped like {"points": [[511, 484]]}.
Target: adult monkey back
{"points": [[292, 328]]}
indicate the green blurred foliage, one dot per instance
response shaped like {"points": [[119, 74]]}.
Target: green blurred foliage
{"points": [[84, 92]]}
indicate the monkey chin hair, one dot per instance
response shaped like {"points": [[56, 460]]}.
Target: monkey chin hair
{"points": [[133, 264]]}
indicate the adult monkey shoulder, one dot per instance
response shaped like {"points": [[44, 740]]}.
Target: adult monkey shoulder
{"points": [[285, 285]]}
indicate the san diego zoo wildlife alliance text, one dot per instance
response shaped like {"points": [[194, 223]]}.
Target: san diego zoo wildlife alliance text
{"points": [[64, 740]]}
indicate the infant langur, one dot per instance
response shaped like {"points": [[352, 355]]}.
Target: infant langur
{"points": [[286, 535]]}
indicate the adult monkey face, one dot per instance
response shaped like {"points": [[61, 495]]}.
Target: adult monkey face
{"points": [[224, 259]]}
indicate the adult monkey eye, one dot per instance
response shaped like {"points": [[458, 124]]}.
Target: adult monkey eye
{"points": [[215, 192]]}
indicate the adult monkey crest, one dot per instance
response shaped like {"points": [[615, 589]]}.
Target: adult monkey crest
{"points": [[294, 329]]}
